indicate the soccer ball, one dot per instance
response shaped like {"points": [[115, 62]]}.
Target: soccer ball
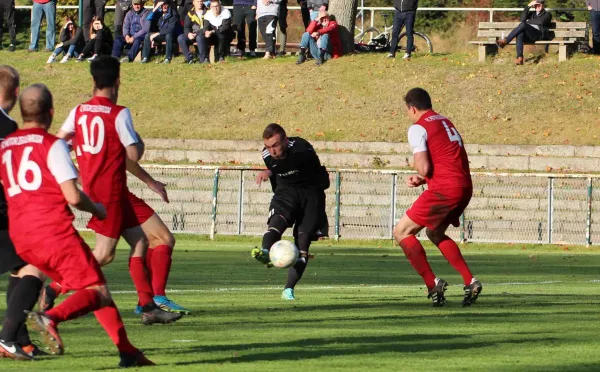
{"points": [[284, 254]]}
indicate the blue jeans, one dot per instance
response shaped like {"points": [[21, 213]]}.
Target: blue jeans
{"points": [[71, 51], [314, 14], [184, 44], [49, 10], [595, 21], [307, 42], [403, 19], [120, 43]]}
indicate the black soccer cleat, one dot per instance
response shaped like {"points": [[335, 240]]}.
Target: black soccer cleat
{"points": [[437, 293], [134, 360], [152, 314], [472, 291], [12, 350], [47, 298]]}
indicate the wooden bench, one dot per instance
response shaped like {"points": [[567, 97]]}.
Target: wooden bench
{"points": [[566, 35]]}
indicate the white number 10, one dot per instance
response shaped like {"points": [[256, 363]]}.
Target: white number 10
{"points": [[92, 144], [453, 134], [25, 166]]}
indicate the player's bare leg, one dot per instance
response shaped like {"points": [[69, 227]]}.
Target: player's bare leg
{"points": [[453, 255], [405, 234], [158, 261], [23, 290], [151, 313]]}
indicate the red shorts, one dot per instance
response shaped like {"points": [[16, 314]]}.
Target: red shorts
{"points": [[440, 207], [68, 261], [142, 210], [120, 215]]}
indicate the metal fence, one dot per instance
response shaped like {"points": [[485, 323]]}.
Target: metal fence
{"points": [[366, 204]]}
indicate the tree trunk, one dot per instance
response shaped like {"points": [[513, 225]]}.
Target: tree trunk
{"points": [[345, 15]]}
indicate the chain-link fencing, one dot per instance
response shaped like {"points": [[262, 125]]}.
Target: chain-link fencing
{"points": [[366, 204]]}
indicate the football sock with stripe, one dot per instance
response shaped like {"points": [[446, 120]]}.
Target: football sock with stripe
{"points": [[452, 253], [160, 266], [141, 281], [78, 304], [110, 319], [413, 250]]}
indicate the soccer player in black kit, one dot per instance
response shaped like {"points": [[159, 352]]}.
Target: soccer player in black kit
{"points": [[299, 182], [25, 282]]}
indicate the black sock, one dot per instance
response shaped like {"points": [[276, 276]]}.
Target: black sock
{"points": [[23, 297], [295, 272], [7, 331]]}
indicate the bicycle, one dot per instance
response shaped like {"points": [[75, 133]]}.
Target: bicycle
{"points": [[381, 42]]}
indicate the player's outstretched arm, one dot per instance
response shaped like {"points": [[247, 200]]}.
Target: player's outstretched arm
{"points": [[78, 199]]}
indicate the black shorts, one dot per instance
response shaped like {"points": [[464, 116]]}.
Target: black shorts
{"points": [[9, 260], [302, 208]]}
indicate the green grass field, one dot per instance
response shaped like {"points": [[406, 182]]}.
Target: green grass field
{"points": [[359, 307]]}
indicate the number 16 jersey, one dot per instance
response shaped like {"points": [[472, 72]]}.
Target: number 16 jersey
{"points": [[101, 132]]}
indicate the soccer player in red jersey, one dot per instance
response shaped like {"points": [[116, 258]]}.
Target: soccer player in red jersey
{"points": [[106, 146], [441, 162], [40, 184]]}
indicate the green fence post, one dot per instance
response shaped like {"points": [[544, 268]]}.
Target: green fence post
{"points": [[81, 12], [588, 229], [338, 183], [213, 223]]}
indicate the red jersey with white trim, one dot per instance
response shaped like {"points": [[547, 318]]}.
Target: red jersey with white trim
{"points": [[34, 164], [101, 132], [437, 135]]}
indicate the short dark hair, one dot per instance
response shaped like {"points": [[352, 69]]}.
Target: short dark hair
{"points": [[36, 103], [9, 82], [105, 71], [418, 98], [273, 129]]}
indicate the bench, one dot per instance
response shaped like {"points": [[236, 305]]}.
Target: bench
{"points": [[566, 35]]}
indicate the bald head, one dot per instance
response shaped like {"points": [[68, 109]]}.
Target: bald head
{"points": [[9, 87], [37, 105]]}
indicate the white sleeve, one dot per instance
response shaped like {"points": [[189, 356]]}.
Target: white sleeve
{"points": [[60, 163], [124, 126], [417, 138], [69, 124]]}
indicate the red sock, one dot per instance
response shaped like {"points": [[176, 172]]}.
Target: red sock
{"points": [[413, 250], [110, 319], [139, 275], [76, 305], [452, 253], [161, 266]]}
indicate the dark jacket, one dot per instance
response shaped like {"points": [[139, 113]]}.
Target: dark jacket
{"points": [[406, 5], [77, 39], [224, 17], [169, 23], [542, 20], [193, 23], [107, 37]]}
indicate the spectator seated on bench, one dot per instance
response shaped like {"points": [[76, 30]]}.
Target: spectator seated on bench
{"points": [[168, 27], [217, 29], [135, 27], [534, 26], [192, 32], [100, 43]]}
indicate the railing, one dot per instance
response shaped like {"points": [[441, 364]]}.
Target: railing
{"points": [[366, 204]]}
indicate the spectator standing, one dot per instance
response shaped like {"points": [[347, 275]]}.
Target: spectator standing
{"points": [[217, 29], [168, 30], [322, 39], [71, 42], [134, 31], [404, 16], [244, 13], [7, 13], [266, 14], [46, 8], [92, 9], [192, 32], [316, 6], [122, 7], [594, 8], [534, 26], [100, 42], [282, 23], [305, 13]]}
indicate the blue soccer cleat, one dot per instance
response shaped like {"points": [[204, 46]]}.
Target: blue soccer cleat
{"points": [[288, 294], [138, 310], [167, 305]]}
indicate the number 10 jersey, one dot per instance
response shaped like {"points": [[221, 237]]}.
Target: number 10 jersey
{"points": [[101, 132]]}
